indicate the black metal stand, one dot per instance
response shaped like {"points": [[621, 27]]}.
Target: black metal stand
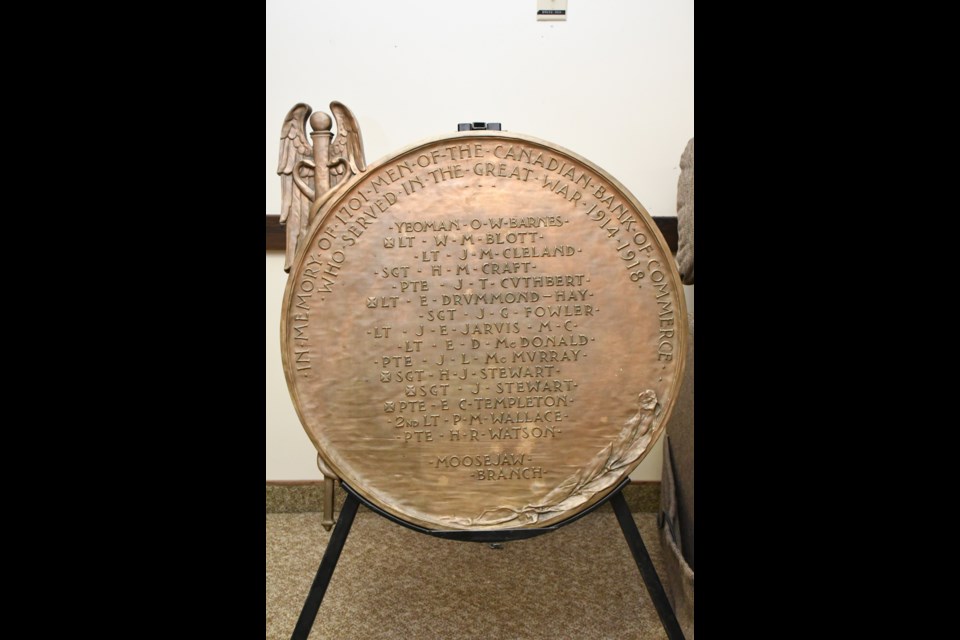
{"points": [[330, 557], [647, 570], [325, 572]]}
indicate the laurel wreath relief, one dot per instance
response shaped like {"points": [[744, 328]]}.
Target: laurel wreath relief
{"points": [[602, 472]]}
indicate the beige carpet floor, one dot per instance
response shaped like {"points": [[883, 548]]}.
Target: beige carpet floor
{"points": [[393, 583]]}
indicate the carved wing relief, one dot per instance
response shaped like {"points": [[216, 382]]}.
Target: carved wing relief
{"points": [[346, 152], [294, 205], [299, 162]]}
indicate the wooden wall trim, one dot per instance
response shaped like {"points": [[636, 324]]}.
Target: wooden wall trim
{"points": [[277, 237], [276, 234]]}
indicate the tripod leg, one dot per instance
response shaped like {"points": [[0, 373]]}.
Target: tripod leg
{"points": [[325, 572], [647, 570]]}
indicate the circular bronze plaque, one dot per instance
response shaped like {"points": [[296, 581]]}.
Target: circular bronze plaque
{"points": [[483, 331]]}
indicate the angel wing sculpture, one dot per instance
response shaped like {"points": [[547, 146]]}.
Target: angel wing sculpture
{"points": [[308, 170], [346, 154], [295, 204]]}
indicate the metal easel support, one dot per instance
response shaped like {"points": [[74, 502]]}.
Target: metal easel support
{"points": [[325, 572], [647, 570]]}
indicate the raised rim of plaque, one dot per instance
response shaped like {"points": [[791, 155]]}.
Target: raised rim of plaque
{"points": [[556, 519]]}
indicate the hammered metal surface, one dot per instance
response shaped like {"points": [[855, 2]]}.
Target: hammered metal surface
{"points": [[483, 331]]}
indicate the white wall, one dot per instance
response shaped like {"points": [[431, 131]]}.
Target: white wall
{"points": [[614, 83]]}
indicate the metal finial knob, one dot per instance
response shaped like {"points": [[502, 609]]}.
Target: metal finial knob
{"points": [[320, 121]]}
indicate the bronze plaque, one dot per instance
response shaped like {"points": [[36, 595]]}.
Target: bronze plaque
{"points": [[483, 331]]}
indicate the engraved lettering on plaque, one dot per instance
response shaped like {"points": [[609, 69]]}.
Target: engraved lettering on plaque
{"points": [[482, 332]]}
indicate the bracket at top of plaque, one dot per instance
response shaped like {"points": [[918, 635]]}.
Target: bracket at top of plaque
{"points": [[481, 331], [478, 126]]}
